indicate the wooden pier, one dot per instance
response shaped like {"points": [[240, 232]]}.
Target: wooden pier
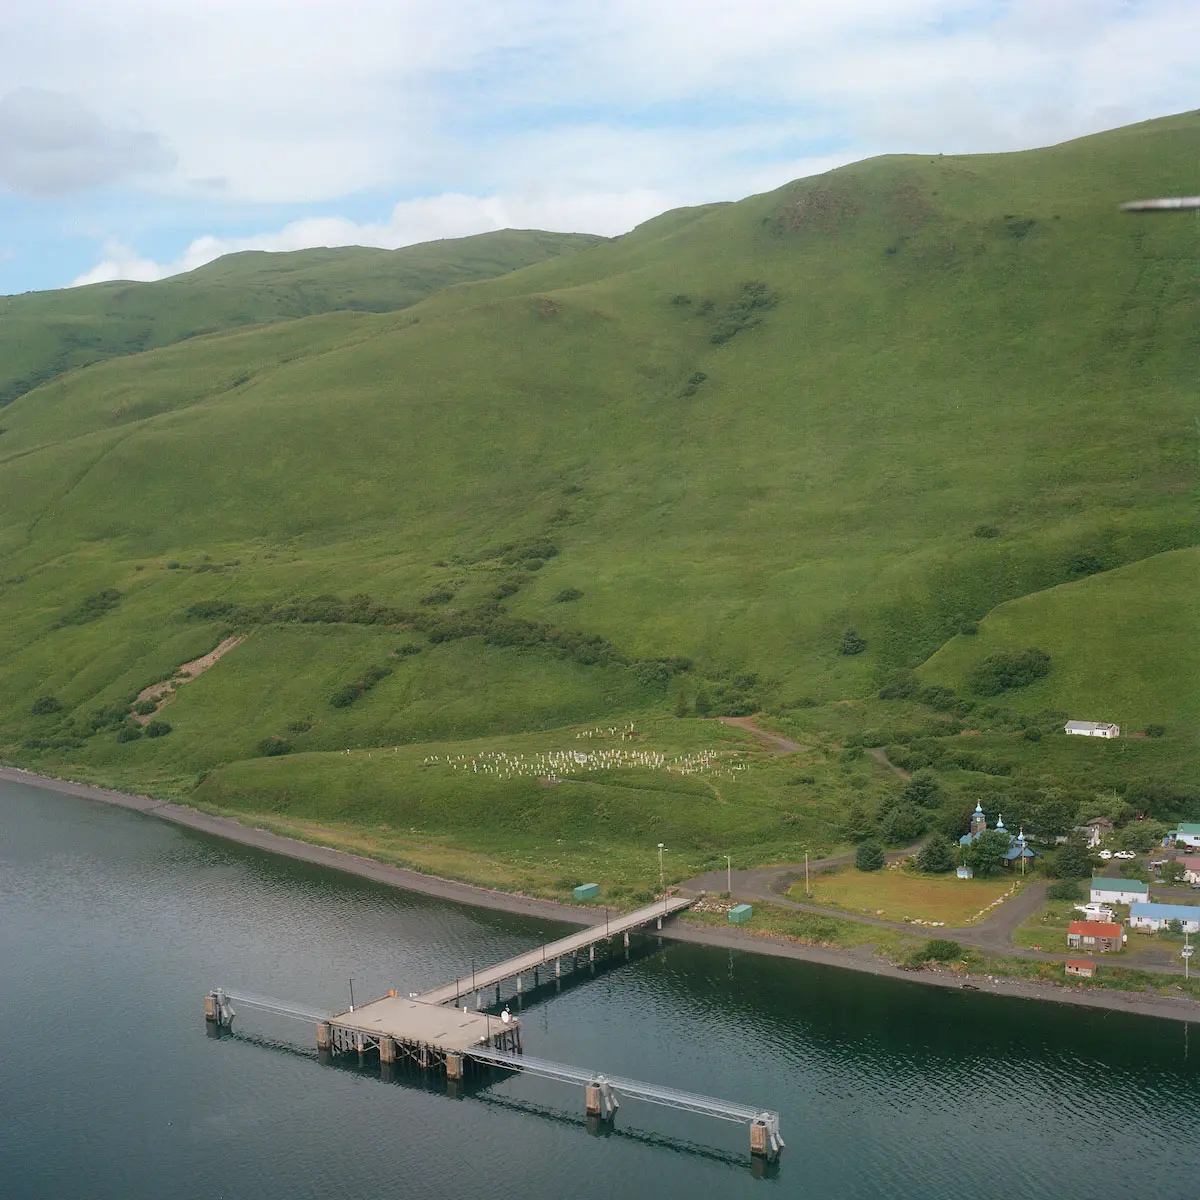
{"points": [[431, 1031]]}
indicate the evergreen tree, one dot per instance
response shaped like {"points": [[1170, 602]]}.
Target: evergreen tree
{"points": [[936, 855], [986, 853], [868, 856]]}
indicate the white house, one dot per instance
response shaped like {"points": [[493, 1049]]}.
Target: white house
{"points": [[1093, 729], [1156, 916], [1188, 834], [1119, 891]]}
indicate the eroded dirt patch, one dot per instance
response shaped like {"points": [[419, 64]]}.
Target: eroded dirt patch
{"points": [[161, 693]]}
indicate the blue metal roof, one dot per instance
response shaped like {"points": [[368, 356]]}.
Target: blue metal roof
{"points": [[1166, 912]]}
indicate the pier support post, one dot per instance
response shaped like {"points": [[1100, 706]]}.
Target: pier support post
{"points": [[591, 1099], [592, 952], [497, 993], [557, 967], [518, 985], [323, 1035], [627, 939], [211, 1012], [387, 1049], [478, 1000], [454, 1065], [758, 1138], [423, 1057]]}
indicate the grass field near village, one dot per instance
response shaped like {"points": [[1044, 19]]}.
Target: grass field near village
{"points": [[896, 894]]}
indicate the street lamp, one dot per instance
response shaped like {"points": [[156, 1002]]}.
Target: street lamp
{"points": [[1187, 952], [729, 874], [661, 848]]}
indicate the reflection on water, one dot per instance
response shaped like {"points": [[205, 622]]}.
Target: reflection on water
{"points": [[113, 926]]}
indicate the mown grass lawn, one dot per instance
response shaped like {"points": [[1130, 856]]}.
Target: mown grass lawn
{"points": [[896, 894]]}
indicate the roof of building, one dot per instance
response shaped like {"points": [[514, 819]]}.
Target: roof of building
{"points": [[1105, 883], [1166, 912], [1189, 862], [1190, 827], [1106, 929], [1089, 724], [1096, 821], [1081, 963]]}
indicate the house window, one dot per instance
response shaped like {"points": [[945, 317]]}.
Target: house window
{"points": [[1089, 941]]}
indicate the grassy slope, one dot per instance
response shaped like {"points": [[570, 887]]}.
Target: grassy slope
{"points": [[43, 334], [957, 340], [1124, 644]]}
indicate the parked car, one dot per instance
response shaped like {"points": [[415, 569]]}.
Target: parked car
{"points": [[1106, 854], [1125, 854]]}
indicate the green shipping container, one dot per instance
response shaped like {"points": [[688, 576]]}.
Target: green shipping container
{"points": [[587, 891], [740, 915]]}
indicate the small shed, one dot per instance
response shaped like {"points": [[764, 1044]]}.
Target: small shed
{"points": [[740, 914], [1081, 967], [1101, 729], [964, 872], [587, 891]]}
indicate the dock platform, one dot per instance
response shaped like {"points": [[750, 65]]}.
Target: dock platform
{"points": [[417, 1023]]}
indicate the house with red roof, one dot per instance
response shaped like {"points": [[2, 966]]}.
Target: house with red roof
{"points": [[1103, 937]]}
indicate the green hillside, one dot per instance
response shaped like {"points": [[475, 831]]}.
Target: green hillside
{"points": [[1124, 644], [673, 468], [43, 334]]}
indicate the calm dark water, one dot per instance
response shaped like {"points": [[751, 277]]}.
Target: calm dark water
{"points": [[114, 925]]}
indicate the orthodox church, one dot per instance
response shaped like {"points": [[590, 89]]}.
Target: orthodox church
{"points": [[1018, 850]]}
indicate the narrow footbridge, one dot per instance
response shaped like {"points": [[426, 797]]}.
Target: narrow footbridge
{"points": [[550, 956]]}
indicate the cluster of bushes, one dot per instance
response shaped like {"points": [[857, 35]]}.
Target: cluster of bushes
{"points": [[131, 731], [345, 696], [567, 595], [745, 312], [734, 697], [90, 608], [1007, 670], [273, 747], [693, 384], [935, 950], [490, 621], [43, 706], [852, 642]]}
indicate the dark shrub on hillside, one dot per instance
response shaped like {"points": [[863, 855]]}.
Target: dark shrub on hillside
{"points": [[680, 298], [923, 789], [652, 674], [567, 595], [271, 747], [703, 703], [157, 729], [43, 706], [1084, 564], [1004, 671], [941, 950], [1064, 889], [506, 588], [985, 531], [406, 650], [437, 596], [1155, 730], [129, 733], [852, 642], [90, 608], [373, 674], [1032, 734], [934, 696], [301, 726], [902, 687], [144, 708], [869, 856], [346, 696]]}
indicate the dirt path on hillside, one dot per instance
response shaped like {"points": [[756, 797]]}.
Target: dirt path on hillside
{"points": [[776, 743], [879, 754], [162, 693]]}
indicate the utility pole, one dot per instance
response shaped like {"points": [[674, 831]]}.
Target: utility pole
{"points": [[807, 889], [661, 848], [729, 874], [1186, 952]]}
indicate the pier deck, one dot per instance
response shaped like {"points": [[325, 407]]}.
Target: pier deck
{"points": [[546, 955], [406, 1020]]}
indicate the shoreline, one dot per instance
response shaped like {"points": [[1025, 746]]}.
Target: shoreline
{"points": [[1177, 1008]]}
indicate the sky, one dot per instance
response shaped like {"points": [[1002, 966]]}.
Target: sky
{"points": [[140, 138]]}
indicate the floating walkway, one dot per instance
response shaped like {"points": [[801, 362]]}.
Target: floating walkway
{"points": [[423, 1029]]}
